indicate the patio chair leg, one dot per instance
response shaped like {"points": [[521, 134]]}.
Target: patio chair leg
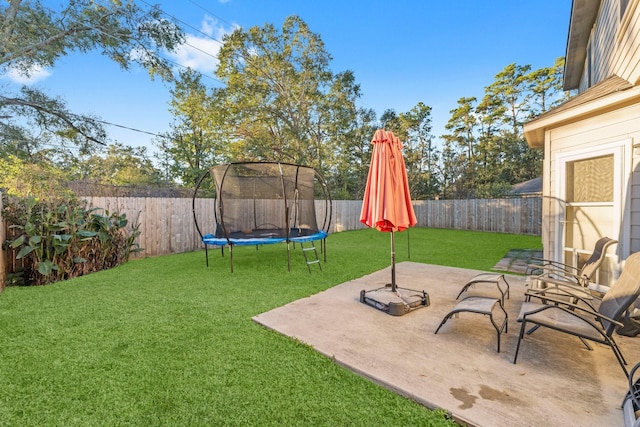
{"points": [[586, 344], [532, 330], [616, 350], [504, 325], [522, 329], [447, 317]]}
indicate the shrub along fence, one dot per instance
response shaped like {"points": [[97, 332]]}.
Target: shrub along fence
{"points": [[167, 225]]}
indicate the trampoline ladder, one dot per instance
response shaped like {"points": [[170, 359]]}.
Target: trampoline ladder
{"points": [[310, 257]]}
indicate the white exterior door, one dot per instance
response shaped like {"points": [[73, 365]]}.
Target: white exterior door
{"points": [[592, 191]]}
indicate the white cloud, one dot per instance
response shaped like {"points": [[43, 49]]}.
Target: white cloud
{"points": [[208, 26], [35, 75], [200, 52]]}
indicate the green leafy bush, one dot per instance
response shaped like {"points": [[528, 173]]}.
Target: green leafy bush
{"points": [[63, 238]]}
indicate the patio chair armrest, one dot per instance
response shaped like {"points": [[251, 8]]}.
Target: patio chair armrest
{"points": [[589, 310], [577, 295], [570, 286], [597, 289], [548, 264], [572, 308], [593, 316], [550, 272], [592, 290], [610, 320]]}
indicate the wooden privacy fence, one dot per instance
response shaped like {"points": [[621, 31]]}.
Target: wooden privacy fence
{"points": [[514, 215], [167, 225]]}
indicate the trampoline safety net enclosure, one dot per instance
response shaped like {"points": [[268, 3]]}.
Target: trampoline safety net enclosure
{"points": [[261, 203]]}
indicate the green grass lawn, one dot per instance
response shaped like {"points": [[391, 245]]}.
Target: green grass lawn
{"points": [[169, 342]]}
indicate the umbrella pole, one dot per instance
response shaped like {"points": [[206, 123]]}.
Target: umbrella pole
{"points": [[393, 263]]}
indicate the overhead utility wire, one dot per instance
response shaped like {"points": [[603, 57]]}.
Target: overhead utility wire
{"points": [[211, 13], [185, 23], [132, 129], [162, 58], [170, 61], [166, 59], [186, 44]]}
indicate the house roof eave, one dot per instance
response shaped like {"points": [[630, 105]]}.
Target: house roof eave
{"points": [[534, 131], [583, 16]]}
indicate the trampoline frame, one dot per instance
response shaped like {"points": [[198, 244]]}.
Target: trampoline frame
{"points": [[292, 234]]}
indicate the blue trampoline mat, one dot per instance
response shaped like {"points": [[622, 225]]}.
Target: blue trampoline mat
{"points": [[268, 238]]}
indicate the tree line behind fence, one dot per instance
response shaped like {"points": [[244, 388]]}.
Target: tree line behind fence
{"points": [[167, 225]]}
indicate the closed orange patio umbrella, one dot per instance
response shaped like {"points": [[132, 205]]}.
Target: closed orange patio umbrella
{"points": [[387, 202], [387, 206]]}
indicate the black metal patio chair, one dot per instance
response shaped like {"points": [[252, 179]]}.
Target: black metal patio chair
{"points": [[552, 274], [580, 318], [631, 402]]}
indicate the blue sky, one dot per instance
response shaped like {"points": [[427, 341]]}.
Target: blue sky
{"points": [[401, 52]]}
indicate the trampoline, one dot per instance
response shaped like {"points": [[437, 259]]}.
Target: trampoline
{"points": [[262, 203]]}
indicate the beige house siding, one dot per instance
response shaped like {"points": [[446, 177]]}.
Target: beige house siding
{"points": [[604, 35], [584, 79], [626, 61], [614, 45]]}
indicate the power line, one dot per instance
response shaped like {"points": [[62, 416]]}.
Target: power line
{"points": [[176, 20], [162, 58], [212, 14], [185, 43], [108, 124], [132, 129], [185, 23], [173, 62]]}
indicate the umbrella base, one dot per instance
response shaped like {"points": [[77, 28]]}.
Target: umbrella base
{"points": [[397, 303]]}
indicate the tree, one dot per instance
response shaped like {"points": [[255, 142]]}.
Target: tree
{"points": [[120, 165], [545, 85], [33, 37], [195, 141], [281, 101], [485, 150], [42, 181], [348, 177], [451, 172], [463, 146], [514, 93], [38, 127], [509, 93], [463, 124], [340, 124], [418, 150]]}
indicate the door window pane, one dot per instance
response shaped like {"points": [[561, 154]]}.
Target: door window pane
{"points": [[589, 211], [590, 180]]}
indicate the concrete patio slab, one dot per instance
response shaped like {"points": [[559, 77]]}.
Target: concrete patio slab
{"points": [[556, 381]]}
